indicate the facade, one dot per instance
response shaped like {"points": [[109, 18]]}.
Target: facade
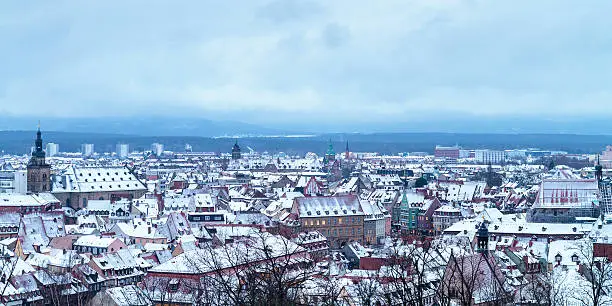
{"points": [[377, 222], [52, 149], [98, 245], [87, 149], [340, 219], [447, 153], [490, 156], [606, 158], [13, 181], [410, 207], [157, 149], [123, 150], [425, 218], [445, 216]]}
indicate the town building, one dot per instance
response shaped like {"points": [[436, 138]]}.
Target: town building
{"points": [[74, 186], [39, 172], [52, 149], [447, 153], [87, 149], [339, 218], [490, 156]]}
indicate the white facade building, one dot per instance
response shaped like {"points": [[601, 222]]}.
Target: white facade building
{"points": [[87, 149], [490, 156], [157, 149], [52, 149], [123, 150], [13, 181]]}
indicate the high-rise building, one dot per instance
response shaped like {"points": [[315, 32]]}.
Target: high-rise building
{"points": [[157, 149], [123, 150], [52, 149], [87, 149]]}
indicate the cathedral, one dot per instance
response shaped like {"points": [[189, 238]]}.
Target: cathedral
{"points": [[39, 172]]}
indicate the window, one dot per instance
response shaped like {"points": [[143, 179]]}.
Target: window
{"points": [[339, 220]]}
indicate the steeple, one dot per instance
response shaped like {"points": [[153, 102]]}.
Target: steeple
{"points": [[598, 170], [482, 237], [330, 155], [38, 171], [236, 151], [38, 144], [347, 152]]}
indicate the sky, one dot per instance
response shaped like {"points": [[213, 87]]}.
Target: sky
{"points": [[291, 62]]}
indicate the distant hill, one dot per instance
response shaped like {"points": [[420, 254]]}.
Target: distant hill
{"points": [[143, 126], [19, 142]]}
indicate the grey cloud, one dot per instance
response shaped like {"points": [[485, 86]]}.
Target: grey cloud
{"points": [[335, 35]]}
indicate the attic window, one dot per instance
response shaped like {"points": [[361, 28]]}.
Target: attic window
{"points": [[327, 212], [309, 213], [318, 212], [543, 228], [575, 258]]}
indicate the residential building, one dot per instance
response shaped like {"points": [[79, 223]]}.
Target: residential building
{"points": [[339, 218], [87, 149], [52, 149]]}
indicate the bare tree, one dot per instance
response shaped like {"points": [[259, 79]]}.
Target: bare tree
{"points": [[475, 278], [367, 292], [598, 273], [261, 269]]}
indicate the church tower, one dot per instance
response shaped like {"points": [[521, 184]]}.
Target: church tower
{"points": [[482, 237], [236, 151], [347, 153], [598, 171], [330, 155], [39, 172]]}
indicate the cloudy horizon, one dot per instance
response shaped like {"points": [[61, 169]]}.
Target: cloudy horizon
{"points": [[289, 62]]}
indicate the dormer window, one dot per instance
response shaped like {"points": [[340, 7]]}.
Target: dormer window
{"points": [[173, 285], [558, 258], [575, 258]]}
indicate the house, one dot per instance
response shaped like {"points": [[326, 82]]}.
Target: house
{"points": [[98, 245], [119, 268]]}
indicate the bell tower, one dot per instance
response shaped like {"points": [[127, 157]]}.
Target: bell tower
{"points": [[482, 237], [39, 172]]}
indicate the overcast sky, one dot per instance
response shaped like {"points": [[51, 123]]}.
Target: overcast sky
{"points": [[291, 61]]}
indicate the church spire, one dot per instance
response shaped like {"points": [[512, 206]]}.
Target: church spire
{"points": [[598, 170], [38, 144]]}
